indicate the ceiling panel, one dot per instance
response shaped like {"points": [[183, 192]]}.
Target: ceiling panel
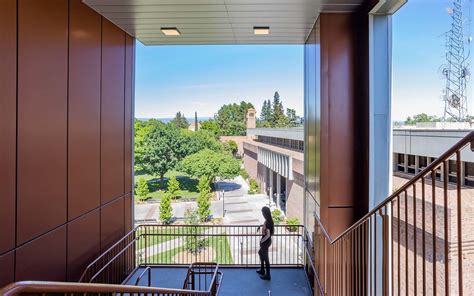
{"points": [[218, 21]]}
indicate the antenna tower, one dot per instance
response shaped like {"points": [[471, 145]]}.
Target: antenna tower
{"points": [[456, 71]]}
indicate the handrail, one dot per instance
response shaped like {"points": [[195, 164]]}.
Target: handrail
{"points": [[147, 269], [66, 287], [438, 161]]}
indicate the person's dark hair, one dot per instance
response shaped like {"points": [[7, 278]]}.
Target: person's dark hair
{"points": [[267, 214]]}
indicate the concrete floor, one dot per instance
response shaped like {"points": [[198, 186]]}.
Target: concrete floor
{"points": [[236, 281]]}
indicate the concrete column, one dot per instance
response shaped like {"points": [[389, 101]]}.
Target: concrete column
{"points": [[278, 190], [417, 163], [271, 184], [405, 160]]}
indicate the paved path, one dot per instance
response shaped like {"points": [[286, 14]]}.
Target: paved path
{"points": [[240, 207]]}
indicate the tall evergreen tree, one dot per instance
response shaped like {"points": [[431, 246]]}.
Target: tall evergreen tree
{"points": [[278, 114], [180, 121], [266, 114], [293, 119]]}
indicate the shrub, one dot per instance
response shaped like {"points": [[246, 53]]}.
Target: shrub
{"points": [[193, 243], [276, 216], [233, 148], [173, 187], [244, 174], [141, 189], [254, 188], [204, 206], [166, 210], [292, 224]]}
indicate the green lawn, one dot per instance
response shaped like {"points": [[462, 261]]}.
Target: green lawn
{"points": [[188, 185], [220, 245], [163, 234]]}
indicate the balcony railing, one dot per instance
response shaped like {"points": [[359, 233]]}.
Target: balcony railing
{"points": [[418, 241], [180, 245]]}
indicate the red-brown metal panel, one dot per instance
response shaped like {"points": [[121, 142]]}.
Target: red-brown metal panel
{"points": [[44, 258], [42, 116], [7, 270], [83, 243], [129, 82], [112, 223], [128, 212], [7, 124], [84, 109], [112, 116], [344, 118]]}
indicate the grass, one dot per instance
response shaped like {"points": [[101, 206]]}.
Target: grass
{"points": [[188, 185], [165, 234], [220, 245]]}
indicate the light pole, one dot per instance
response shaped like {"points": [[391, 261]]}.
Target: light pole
{"points": [[223, 203]]}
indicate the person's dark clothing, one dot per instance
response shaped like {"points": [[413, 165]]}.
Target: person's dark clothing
{"points": [[264, 246]]}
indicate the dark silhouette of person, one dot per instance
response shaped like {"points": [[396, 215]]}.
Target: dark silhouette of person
{"points": [[267, 229]]}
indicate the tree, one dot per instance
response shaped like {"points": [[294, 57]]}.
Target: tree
{"points": [[266, 114], [193, 142], [142, 189], [173, 187], [204, 206], [211, 164], [166, 210], [278, 116], [180, 121], [422, 117], [158, 153], [193, 243], [212, 126], [231, 118], [142, 129], [232, 147], [292, 119]]}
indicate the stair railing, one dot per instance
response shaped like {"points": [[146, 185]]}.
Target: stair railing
{"points": [[410, 244]]}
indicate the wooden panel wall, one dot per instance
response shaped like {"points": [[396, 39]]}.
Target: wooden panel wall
{"points": [[66, 111]]}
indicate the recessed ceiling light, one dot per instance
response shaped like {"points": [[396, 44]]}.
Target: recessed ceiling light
{"points": [[261, 30], [170, 31]]}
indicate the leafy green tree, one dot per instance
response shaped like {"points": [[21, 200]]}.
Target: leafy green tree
{"points": [[232, 147], [212, 126], [193, 243], [231, 118], [141, 189], [180, 121], [211, 164], [158, 153], [166, 210], [193, 142], [292, 119], [422, 117], [173, 187], [203, 204], [142, 129]]}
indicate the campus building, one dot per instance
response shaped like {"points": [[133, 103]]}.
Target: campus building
{"points": [[414, 148], [274, 157], [66, 158]]}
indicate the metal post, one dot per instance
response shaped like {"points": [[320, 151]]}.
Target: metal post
{"points": [[223, 203]]}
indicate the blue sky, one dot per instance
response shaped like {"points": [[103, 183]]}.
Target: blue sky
{"points": [[418, 53], [202, 78]]}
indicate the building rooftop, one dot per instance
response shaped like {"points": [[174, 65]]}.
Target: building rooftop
{"points": [[296, 133]]}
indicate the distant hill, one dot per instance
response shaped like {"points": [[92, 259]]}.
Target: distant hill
{"points": [[166, 120]]}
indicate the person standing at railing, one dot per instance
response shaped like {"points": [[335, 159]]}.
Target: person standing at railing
{"points": [[267, 229]]}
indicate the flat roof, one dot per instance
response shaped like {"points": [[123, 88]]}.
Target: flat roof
{"points": [[218, 21], [296, 133]]}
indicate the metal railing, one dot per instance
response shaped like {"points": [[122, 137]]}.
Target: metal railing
{"points": [[182, 245], [412, 243]]}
